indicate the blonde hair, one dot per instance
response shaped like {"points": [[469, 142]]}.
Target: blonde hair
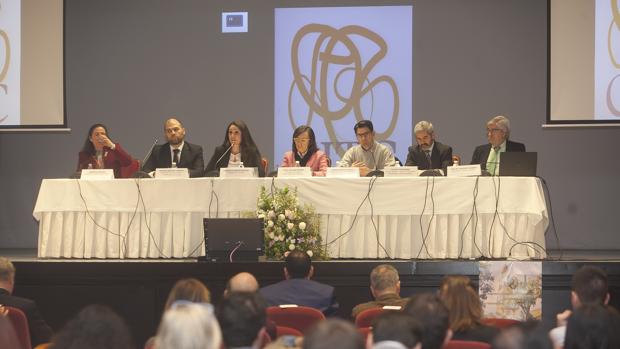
{"points": [[190, 290], [7, 270]]}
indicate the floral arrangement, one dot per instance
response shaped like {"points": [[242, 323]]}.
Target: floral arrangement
{"points": [[288, 225]]}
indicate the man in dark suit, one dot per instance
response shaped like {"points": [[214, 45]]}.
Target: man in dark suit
{"points": [[40, 332], [176, 151], [428, 154], [297, 288], [488, 155]]}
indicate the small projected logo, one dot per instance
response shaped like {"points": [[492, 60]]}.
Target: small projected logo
{"points": [[234, 22]]}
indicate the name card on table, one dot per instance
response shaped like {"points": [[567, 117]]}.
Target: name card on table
{"points": [[464, 171], [402, 171], [171, 173], [238, 172], [92, 174], [342, 172], [294, 172]]}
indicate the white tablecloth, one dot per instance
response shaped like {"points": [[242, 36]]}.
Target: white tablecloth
{"points": [[426, 217]]}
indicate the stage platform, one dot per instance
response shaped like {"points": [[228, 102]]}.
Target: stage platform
{"points": [[137, 289]]}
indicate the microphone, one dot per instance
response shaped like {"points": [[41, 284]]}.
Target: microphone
{"points": [[227, 150], [148, 155]]}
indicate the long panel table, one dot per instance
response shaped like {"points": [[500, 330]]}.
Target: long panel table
{"points": [[421, 217]]}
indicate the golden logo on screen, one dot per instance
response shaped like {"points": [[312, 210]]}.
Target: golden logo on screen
{"points": [[327, 52], [4, 64], [613, 27]]}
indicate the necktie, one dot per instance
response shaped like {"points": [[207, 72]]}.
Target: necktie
{"points": [[175, 157], [493, 161], [428, 158]]}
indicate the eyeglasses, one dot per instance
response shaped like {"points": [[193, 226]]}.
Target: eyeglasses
{"points": [[494, 130], [301, 140]]}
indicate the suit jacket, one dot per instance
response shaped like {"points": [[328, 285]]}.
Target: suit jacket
{"points": [[441, 157], [40, 332], [190, 158], [380, 302], [223, 154], [481, 153], [112, 159], [317, 162], [303, 292]]}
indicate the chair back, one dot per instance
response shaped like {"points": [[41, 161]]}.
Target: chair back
{"points": [[20, 324], [498, 322], [265, 164], [364, 331], [455, 344], [287, 331], [43, 345], [299, 318], [365, 318]]}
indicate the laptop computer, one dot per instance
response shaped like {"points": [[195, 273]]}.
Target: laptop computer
{"points": [[522, 164], [233, 239]]}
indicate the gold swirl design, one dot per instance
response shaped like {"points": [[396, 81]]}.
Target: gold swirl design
{"points": [[616, 20], [5, 66], [314, 89]]}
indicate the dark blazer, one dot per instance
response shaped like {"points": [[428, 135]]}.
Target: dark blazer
{"points": [[112, 159], [303, 292], [480, 333], [190, 158], [223, 154], [441, 157], [40, 332], [481, 153]]}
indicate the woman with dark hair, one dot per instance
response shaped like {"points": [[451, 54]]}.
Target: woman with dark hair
{"points": [[100, 152], [465, 310], [305, 152], [237, 149], [593, 326]]}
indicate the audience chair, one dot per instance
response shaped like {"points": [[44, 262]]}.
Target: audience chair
{"points": [[20, 324], [454, 344], [265, 164], [43, 345], [365, 318], [287, 331], [499, 323], [299, 318]]}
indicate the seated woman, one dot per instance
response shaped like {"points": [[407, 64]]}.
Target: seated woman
{"points": [[99, 152], [465, 310], [306, 152], [238, 148], [191, 290]]}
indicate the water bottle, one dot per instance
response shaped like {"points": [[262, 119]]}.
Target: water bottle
{"points": [[297, 164], [174, 165], [241, 164]]}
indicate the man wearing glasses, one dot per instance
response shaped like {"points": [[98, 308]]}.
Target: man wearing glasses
{"points": [[488, 155], [369, 155]]}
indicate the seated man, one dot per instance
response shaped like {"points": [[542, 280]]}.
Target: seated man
{"points": [[177, 152], [369, 155], [332, 334], [394, 330], [298, 288], [428, 154], [430, 311], [385, 288], [488, 155], [242, 316]]}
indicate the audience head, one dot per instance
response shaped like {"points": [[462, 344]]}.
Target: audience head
{"points": [[525, 335], [462, 302], [397, 326], [593, 326], [242, 282], [8, 337], [242, 316], [92, 143], [174, 131], [424, 134], [191, 290], [365, 133], [498, 130], [589, 286], [297, 265], [384, 279], [188, 325], [304, 140], [430, 311], [94, 327], [7, 274], [333, 333]]}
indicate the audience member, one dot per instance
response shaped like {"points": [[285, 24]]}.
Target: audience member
{"points": [[297, 288], [241, 282], [237, 149], [428, 154], [465, 309], [524, 335], [176, 152], [369, 155], [191, 290], [99, 152], [593, 326], [188, 325], [94, 327], [242, 317], [385, 288], [40, 332], [430, 311], [333, 333], [305, 152], [498, 134], [8, 337], [588, 286], [397, 327]]}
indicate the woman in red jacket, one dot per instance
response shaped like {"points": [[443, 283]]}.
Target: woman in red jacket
{"points": [[100, 152]]}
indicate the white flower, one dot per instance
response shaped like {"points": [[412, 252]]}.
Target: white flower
{"points": [[302, 226], [271, 214], [291, 247], [272, 235], [289, 214], [281, 217], [261, 216], [290, 226], [309, 253], [280, 237], [293, 240], [270, 224]]}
